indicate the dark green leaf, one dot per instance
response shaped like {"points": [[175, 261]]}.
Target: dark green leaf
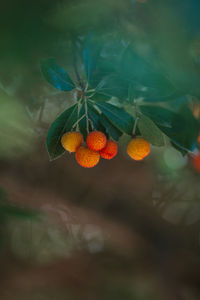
{"points": [[100, 97], [131, 93], [142, 74], [94, 116], [82, 123], [109, 59], [61, 125], [171, 97], [56, 75], [111, 130], [150, 131], [181, 150], [91, 54], [113, 85], [182, 128], [117, 116]]}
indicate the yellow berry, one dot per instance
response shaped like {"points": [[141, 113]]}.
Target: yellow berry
{"points": [[138, 148], [71, 141]]}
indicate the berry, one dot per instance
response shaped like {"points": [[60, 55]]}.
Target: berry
{"points": [[110, 150], [195, 160], [86, 157], [96, 140], [138, 148], [71, 141]]}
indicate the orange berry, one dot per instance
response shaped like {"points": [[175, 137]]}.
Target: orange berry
{"points": [[110, 150], [138, 148], [96, 140], [71, 141], [195, 160], [86, 157], [198, 140]]}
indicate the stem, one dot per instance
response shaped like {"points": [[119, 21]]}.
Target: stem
{"points": [[91, 95], [136, 118], [92, 90], [92, 126], [135, 126], [76, 123], [79, 109], [86, 114], [86, 87]]}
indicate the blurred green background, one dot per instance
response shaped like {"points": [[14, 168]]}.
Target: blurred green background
{"points": [[123, 230]]}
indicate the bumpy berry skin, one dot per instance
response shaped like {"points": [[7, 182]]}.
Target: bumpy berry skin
{"points": [[109, 151], [86, 157], [195, 160], [96, 140], [71, 141], [138, 148]]}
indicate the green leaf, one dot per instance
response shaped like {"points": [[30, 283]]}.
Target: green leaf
{"points": [[61, 125], [111, 130], [94, 116], [131, 93], [171, 97], [146, 78], [181, 150], [150, 131], [192, 128], [56, 75], [82, 123], [113, 85], [108, 61], [101, 97], [181, 127], [91, 54], [117, 116]]}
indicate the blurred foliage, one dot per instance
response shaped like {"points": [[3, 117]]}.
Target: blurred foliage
{"points": [[78, 18], [10, 212], [17, 133]]}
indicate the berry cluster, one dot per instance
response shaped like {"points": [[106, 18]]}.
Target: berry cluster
{"points": [[98, 146]]}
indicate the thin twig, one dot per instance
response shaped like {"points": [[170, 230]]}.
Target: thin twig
{"points": [[79, 109], [135, 126], [86, 114], [136, 118], [76, 123], [91, 123]]}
